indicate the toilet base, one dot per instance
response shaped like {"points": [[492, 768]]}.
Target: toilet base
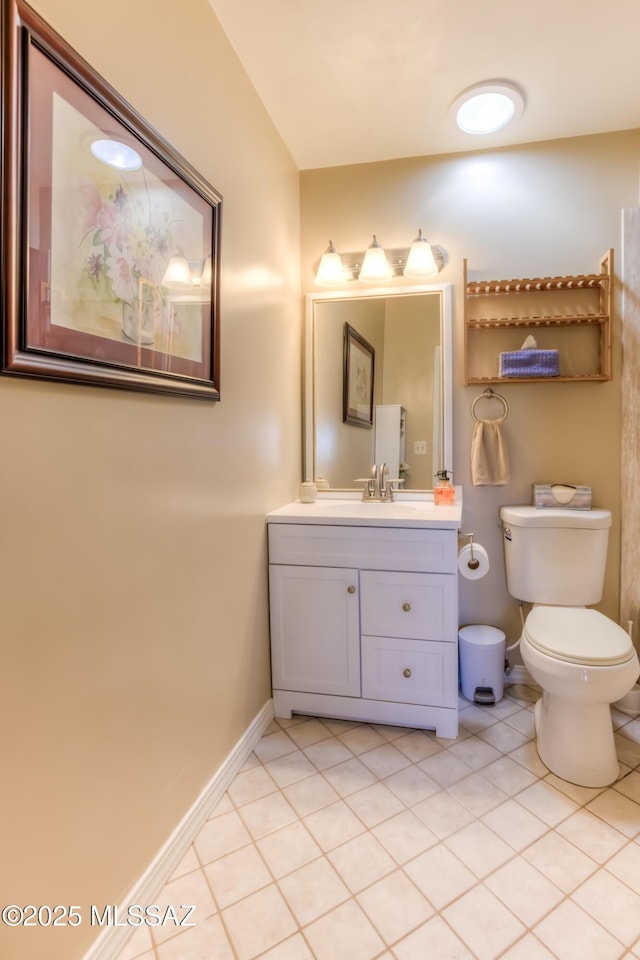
{"points": [[575, 741]]}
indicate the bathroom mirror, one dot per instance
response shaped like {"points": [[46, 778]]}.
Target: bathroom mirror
{"points": [[409, 331]]}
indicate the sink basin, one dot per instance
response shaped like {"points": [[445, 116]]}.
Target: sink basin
{"points": [[354, 512], [358, 508]]}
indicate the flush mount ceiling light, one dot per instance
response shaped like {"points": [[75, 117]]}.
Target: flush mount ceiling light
{"points": [[116, 154], [487, 107]]}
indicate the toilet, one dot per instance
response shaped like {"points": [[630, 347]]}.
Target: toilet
{"points": [[555, 559]]}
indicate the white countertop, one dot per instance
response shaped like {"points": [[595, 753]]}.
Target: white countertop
{"points": [[353, 511]]}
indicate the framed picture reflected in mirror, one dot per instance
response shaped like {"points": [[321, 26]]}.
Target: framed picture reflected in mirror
{"points": [[357, 383]]}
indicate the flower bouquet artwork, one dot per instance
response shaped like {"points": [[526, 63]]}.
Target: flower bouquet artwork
{"points": [[129, 256], [111, 239], [120, 233]]}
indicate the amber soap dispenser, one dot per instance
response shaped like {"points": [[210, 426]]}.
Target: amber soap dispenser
{"points": [[444, 493]]}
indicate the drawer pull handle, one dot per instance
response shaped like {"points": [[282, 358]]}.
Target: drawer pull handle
{"points": [[406, 607], [351, 588], [406, 672]]}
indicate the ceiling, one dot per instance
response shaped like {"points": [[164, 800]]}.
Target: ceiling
{"points": [[354, 81]]}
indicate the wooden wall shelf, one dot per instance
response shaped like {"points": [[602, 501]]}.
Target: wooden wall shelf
{"points": [[551, 308]]}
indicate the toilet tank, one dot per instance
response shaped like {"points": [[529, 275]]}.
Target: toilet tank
{"points": [[556, 556]]}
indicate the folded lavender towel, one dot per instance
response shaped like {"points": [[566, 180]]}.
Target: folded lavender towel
{"points": [[530, 363]]}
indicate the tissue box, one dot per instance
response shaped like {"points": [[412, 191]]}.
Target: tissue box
{"points": [[530, 363], [562, 495]]}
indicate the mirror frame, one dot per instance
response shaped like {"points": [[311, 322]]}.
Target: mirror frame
{"points": [[444, 290]]}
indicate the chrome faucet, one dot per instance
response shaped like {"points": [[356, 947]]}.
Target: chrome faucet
{"points": [[378, 487], [373, 487], [383, 489]]}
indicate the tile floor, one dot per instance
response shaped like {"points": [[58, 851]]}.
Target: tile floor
{"points": [[346, 841]]}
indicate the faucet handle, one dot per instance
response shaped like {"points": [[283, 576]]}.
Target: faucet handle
{"points": [[367, 490], [389, 489]]}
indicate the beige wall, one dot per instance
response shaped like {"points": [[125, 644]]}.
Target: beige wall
{"points": [[133, 553], [542, 209]]}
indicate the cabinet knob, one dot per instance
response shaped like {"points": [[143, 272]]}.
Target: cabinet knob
{"points": [[351, 588], [406, 672], [406, 607]]}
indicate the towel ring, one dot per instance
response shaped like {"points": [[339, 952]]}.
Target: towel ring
{"points": [[489, 394]]}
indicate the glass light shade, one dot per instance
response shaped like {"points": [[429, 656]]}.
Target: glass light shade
{"points": [[420, 262], [375, 265], [116, 154], [331, 269], [177, 276], [485, 113], [487, 107]]}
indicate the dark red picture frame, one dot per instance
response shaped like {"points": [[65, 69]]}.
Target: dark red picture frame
{"points": [[88, 249], [357, 379]]}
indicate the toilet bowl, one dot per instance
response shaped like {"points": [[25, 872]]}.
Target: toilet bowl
{"points": [[583, 662], [555, 559]]}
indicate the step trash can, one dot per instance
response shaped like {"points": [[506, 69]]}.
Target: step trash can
{"points": [[482, 652]]}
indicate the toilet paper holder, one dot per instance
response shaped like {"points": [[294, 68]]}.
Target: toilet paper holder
{"points": [[473, 563]]}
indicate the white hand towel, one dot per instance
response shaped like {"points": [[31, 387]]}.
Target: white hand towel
{"points": [[489, 458]]}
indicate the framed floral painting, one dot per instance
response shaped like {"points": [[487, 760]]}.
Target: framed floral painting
{"points": [[110, 239], [357, 381]]}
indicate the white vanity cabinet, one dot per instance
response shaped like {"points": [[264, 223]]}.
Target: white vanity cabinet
{"points": [[364, 617]]}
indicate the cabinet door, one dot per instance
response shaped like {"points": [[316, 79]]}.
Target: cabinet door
{"points": [[315, 629]]}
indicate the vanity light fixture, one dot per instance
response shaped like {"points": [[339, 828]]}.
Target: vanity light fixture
{"points": [[184, 276], [205, 279], [375, 266], [421, 261], [331, 269], [178, 276], [488, 106]]}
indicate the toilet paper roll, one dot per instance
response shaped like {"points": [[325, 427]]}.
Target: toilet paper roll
{"points": [[480, 556]]}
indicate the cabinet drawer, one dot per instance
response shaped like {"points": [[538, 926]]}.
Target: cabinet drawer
{"points": [[381, 548], [422, 606], [410, 671]]}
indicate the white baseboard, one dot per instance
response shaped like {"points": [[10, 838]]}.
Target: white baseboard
{"points": [[111, 940], [519, 674]]}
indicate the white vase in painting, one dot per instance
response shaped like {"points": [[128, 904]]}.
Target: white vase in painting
{"points": [[139, 320]]}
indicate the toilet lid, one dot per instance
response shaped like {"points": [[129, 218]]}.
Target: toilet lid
{"points": [[578, 635]]}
